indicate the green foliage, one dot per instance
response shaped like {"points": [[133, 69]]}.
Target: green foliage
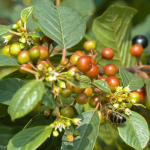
{"points": [[3, 109], [36, 34], [88, 132], [4, 29], [64, 25], [30, 138], [26, 13], [134, 131], [102, 85], [25, 99], [147, 82], [8, 88], [112, 29], [129, 79]]}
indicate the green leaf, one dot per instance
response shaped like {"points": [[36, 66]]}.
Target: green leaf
{"points": [[88, 129], [8, 61], [30, 138], [48, 99], [65, 101], [113, 29], [102, 85], [64, 25], [8, 88], [3, 110], [128, 79], [134, 131], [26, 13], [25, 99], [147, 82], [36, 34], [4, 29]]}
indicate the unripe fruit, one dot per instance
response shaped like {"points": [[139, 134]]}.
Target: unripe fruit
{"points": [[74, 58], [20, 23], [67, 123], [64, 62], [102, 78], [25, 66], [67, 111], [84, 63], [66, 93], [55, 133], [107, 53], [142, 93], [23, 57], [74, 68], [93, 72], [43, 52], [81, 98], [110, 70], [93, 101], [81, 53], [5, 51], [113, 82], [36, 39], [15, 26], [135, 96], [34, 53], [77, 90], [88, 91], [90, 44], [15, 49], [136, 50]]}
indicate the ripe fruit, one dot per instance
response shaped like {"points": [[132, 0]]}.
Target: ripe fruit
{"points": [[107, 53], [88, 91], [141, 40], [134, 97], [5, 51], [102, 78], [74, 58], [93, 72], [43, 52], [25, 66], [142, 93], [34, 53], [77, 90], [66, 93], [113, 82], [15, 49], [67, 111], [81, 53], [81, 98], [23, 57], [90, 44], [93, 101], [84, 63], [136, 50], [110, 70]]}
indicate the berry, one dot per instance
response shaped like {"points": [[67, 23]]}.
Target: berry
{"points": [[74, 58], [90, 44], [55, 133], [102, 78], [81, 53], [93, 101], [81, 98], [136, 50], [64, 62], [15, 49], [25, 66], [5, 51], [66, 93], [15, 26], [84, 63], [88, 91], [67, 111], [34, 53], [113, 82], [43, 52], [107, 53], [73, 68], [110, 70], [23, 57], [93, 72], [20, 23], [134, 97], [141, 93], [141, 40], [77, 90]]}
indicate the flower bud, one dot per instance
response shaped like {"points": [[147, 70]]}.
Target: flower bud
{"points": [[70, 137], [76, 121], [55, 133], [126, 89], [127, 111], [15, 26], [67, 123], [62, 84], [119, 99], [7, 38], [118, 89]]}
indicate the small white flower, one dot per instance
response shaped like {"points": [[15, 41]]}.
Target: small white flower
{"points": [[60, 126], [30, 41], [7, 38], [126, 89], [76, 121], [40, 67], [119, 89], [127, 111]]}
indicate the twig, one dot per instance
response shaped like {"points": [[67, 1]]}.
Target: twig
{"points": [[31, 64], [48, 61], [28, 70], [13, 32]]}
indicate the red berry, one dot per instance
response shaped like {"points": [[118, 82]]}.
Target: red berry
{"points": [[74, 58], [81, 98], [136, 50], [93, 72], [84, 63], [23, 57], [110, 70], [43, 52], [107, 53], [90, 44], [102, 78], [25, 66], [113, 82], [141, 93]]}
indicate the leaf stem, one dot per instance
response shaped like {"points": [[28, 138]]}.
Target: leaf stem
{"points": [[31, 64], [64, 54], [99, 59], [28, 70], [48, 61], [16, 33]]}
